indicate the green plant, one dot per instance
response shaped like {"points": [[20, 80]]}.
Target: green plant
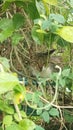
{"points": [[28, 27]]}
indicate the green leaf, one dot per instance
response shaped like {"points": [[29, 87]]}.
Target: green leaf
{"points": [[14, 127], [46, 24], [39, 128], [66, 32], [62, 82], [6, 27], [5, 23], [7, 82], [18, 20], [31, 10], [6, 108], [39, 112], [37, 36], [5, 62], [7, 120], [66, 72], [68, 116], [41, 7], [45, 116], [57, 17], [27, 124], [71, 3], [51, 2], [16, 0], [23, 114], [19, 89], [16, 38], [5, 6], [54, 112], [40, 31], [16, 117]]}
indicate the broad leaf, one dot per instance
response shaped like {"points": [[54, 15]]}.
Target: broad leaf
{"points": [[5, 23], [7, 120], [66, 72], [66, 32], [7, 28], [7, 82], [57, 17], [40, 7], [16, 117], [14, 127], [5, 62], [27, 124], [62, 82], [39, 128], [37, 36], [6, 108], [18, 20], [31, 10], [54, 112], [46, 25], [45, 116]]}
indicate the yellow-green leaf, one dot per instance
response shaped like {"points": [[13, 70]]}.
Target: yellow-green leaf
{"points": [[7, 120], [51, 2], [66, 32], [7, 82], [27, 124]]}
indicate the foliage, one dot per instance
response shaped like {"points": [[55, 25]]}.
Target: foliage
{"points": [[26, 25]]}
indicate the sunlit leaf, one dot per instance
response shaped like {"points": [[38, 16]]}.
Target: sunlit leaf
{"points": [[40, 31], [71, 3], [6, 29], [51, 2], [14, 127], [6, 108], [66, 32], [7, 120], [40, 7], [27, 124], [7, 82], [37, 36], [23, 114], [5, 62]]}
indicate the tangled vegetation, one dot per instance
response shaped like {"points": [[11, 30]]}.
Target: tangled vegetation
{"points": [[36, 64]]}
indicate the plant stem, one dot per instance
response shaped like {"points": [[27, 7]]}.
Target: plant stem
{"points": [[18, 111]]}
